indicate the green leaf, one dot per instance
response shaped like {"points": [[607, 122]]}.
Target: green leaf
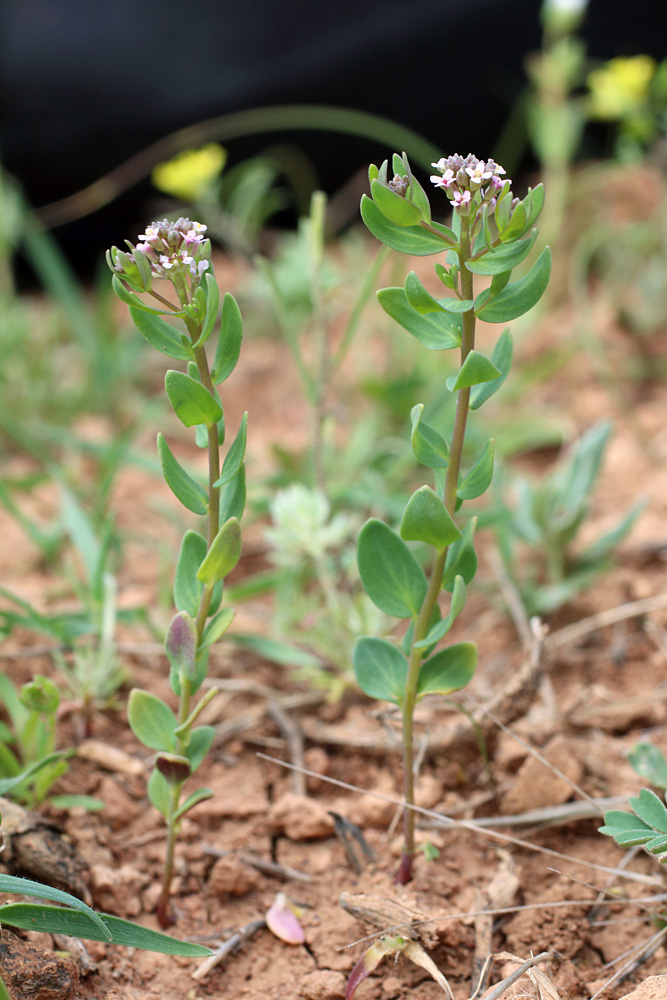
{"points": [[390, 574], [428, 445], [519, 296], [650, 763], [626, 829], [130, 299], [380, 669], [192, 402], [504, 258], [479, 478], [437, 331], [210, 286], [199, 744], [461, 558], [7, 784], [516, 226], [217, 626], [232, 497], [424, 303], [72, 801], [160, 335], [235, 455], [394, 206], [201, 795], [229, 343], [441, 628], [223, 555], [187, 588], [601, 548], [151, 721], [413, 240], [26, 887], [502, 359], [183, 486], [534, 201], [475, 369], [448, 670], [159, 792], [426, 519], [104, 927], [650, 809]]}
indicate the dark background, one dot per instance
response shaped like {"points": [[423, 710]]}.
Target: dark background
{"points": [[85, 85]]}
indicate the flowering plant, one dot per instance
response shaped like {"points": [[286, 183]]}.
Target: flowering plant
{"points": [[491, 233], [179, 253]]}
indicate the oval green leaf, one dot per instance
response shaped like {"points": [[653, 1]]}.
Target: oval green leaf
{"points": [[192, 402], [229, 343], [235, 455], [504, 258], [394, 207], [217, 626], [426, 519], [448, 670], [412, 240], [223, 555], [390, 574], [380, 669], [475, 369], [151, 721], [519, 296], [437, 331], [502, 359], [428, 444], [183, 486], [160, 335], [650, 809], [187, 588], [479, 478]]}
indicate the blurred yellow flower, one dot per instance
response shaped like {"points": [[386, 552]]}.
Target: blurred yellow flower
{"points": [[188, 174], [620, 86]]}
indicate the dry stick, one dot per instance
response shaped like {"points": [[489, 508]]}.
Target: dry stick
{"points": [[498, 990], [535, 753], [584, 627], [647, 949], [294, 738], [265, 867], [472, 827], [231, 944]]}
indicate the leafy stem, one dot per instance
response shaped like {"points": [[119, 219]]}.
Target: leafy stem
{"points": [[423, 620]]}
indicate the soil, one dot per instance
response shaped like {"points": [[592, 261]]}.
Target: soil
{"points": [[581, 700]]}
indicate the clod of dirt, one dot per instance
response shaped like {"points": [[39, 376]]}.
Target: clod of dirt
{"points": [[33, 974], [325, 984], [231, 877], [300, 818], [536, 785], [35, 848], [117, 890], [119, 807], [653, 988]]}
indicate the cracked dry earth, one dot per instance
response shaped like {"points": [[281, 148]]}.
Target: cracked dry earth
{"points": [[527, 843]]}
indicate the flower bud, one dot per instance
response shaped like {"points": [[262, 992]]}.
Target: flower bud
{"points": [[40, 695], [173, 767]]}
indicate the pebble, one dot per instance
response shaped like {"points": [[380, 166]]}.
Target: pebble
{"points": [[300, 818], [324, 984]]}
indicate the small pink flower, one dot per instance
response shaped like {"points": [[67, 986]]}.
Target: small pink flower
{"points": [[461, 199], [445, 181], [479, 172]]}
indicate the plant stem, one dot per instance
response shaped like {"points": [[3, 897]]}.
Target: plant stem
{"points": [[404, 873], [163, 909]]}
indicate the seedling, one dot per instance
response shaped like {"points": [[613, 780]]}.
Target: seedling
{"points": [[29, 762], [491, 234], [179, 253], [537, 536]]}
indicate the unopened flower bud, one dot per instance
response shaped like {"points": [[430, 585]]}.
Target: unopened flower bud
{"points": [[399, 184], [173, 767], [40, 695]]}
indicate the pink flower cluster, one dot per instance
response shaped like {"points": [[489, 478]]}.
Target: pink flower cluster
{"points": [[173, 248], [467, 180]]}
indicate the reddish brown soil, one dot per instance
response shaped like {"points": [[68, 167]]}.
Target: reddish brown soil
{"points": [[596, 696]]}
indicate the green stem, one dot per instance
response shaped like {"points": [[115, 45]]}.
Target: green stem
{"points": [[435, 581], [185, 717]]}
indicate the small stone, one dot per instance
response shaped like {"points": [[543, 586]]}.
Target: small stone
{"points": [[119, 808], [300, 818], [428, 791], [117, 890], [653, 988], [316, 759], [392, 986], [536, 785], [231, 877], [324, 984]]}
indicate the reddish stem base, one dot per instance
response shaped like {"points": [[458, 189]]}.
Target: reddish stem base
{"points": [[404, 872]]}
